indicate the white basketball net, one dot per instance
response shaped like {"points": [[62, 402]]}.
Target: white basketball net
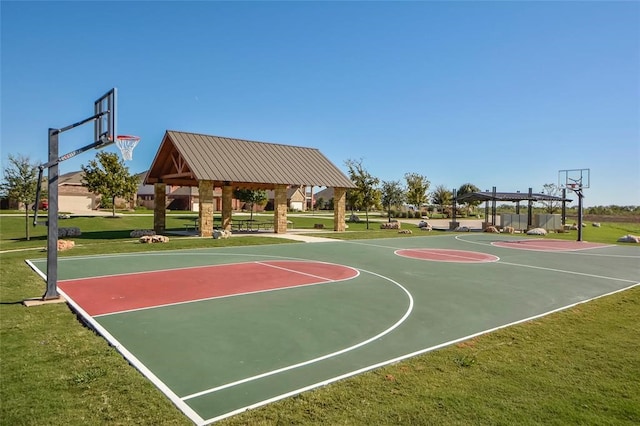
{"points": [[126, 145]]}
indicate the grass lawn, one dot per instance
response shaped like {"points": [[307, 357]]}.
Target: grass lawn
{"points": [[579, 366]]}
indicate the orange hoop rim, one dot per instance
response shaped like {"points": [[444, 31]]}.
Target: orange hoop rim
{"points": [[127, 138]]}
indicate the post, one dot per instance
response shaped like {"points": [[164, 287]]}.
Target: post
{"points": [[52, 216], [339, 209], [579, 192], [530, 209], [454, 215], [493, 206], [564, 206]]}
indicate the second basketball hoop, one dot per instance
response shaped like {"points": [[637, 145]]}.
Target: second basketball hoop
{"points": [[126, 143]]}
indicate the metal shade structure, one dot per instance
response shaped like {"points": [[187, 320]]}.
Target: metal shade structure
{"points": [[509, 196], [515, 197]]}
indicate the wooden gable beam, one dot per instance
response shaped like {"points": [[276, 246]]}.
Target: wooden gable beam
{"points": [[180, 166]]}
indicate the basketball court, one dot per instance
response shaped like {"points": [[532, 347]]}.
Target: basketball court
{"points": [[223, 330]]}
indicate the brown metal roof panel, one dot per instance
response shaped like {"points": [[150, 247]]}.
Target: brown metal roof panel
{"points": [[216, 158]]}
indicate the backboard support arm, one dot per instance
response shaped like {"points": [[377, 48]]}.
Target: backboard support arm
{"points": [[52, 213]]}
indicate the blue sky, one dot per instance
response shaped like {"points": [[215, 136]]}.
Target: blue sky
{"points": [[498, 94]]}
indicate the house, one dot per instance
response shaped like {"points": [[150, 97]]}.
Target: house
{"points": [[323, 199], [296, 198], [73, 197]]}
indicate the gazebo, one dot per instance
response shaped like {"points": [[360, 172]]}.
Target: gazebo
{"points": [[208, 162]]}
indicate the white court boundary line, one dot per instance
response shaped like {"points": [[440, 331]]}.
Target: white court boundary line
{"points": [[403, 357], [131, 358], [180, 401], [201, 422], [320, 358]]}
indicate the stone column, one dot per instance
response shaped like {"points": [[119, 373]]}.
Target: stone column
{"points": [[339, 209], [205, 188], [227, 207], [160, 208], [280, 209]]}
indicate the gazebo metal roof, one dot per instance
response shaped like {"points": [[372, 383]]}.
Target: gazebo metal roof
{"points": [[185, 158]]}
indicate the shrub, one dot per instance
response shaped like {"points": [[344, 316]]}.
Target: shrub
{"points": [[69, 232], [390, 225]]}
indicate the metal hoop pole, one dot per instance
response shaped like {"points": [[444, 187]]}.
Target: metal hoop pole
{"points": [[579, 192], [52, 222]]}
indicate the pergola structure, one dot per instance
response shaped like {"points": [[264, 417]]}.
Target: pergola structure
{"points": [[208, 162], [516, 197]]}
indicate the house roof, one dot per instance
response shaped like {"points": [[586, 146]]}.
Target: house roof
{"points": [[187, 158], [71, 178], [325, 194], [290, 191], [507, 196]]}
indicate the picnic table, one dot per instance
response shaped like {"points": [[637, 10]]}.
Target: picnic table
{"points": [[193, 225], [250, 224]]}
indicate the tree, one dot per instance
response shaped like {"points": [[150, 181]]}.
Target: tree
{"points": [[109, 177], [551, 206], [20, 184], [417, 187], [393, 194], [468, 188], [365, 194], [441, 196], [251, 197]]}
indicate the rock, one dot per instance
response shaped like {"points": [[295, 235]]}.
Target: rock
{"points": [[629, 239], [537, 231], [217, 234], [147, 239], [65, 245]]}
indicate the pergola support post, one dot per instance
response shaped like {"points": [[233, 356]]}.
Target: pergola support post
{"points": [[160, 208], [205, 189], [227, 200], [280, 209], [339, 209]]}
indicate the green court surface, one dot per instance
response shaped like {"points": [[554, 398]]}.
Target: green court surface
{"points": [[287, 318]]}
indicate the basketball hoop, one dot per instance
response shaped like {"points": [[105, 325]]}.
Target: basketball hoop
{"points": [[574, 187], [126, 143]]}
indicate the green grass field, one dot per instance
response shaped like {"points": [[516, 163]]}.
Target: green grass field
{"points": [[579, 366]]}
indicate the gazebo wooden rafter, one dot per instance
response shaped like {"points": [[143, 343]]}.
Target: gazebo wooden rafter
{"points": [[208, 162]]}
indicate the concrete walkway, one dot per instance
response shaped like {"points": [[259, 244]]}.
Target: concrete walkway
{"points": [[298, 237]]}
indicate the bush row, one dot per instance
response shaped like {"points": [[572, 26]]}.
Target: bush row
{"points": [[406, 214]]}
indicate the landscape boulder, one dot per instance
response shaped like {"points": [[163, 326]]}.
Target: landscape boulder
{"points": [[537, 231], [629, 239], [224, 234], [148, 239]]}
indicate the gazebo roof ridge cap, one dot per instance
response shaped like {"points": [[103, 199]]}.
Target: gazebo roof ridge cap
{"points": [[244, 140]]}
